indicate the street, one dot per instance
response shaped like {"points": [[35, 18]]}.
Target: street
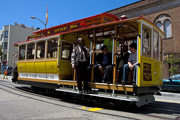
{"points": [[16, 103]]}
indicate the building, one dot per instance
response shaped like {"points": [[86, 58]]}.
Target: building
{"points": [[165, 15], [9, 35]]}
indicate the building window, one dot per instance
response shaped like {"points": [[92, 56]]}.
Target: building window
{"points": [[163, 22], [1, 36], [5, 45], [159, 25], [5, 57], [167, 29], [6, 34]]}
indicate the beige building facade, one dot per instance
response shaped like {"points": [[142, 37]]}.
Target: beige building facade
{"points": [[165, 14], [9, 35]]}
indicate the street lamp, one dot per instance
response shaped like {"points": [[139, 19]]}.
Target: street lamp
{"points": [[32, 17]]}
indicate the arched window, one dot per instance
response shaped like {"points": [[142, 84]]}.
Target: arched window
{"points": [[167, 28], [159, 25], [163, 22]]}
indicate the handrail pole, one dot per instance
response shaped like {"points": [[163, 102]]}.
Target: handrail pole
{"points": [[74, 78], [114, 59], [74, 70], [93, 50]]}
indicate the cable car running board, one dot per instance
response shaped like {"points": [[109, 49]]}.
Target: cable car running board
{"points": [[139, 100], [95, 93]]}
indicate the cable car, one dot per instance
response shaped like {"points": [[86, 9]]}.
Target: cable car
{"points": [[45, 57]]}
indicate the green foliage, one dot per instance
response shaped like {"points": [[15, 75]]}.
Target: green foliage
{"points": [[173, 64]]}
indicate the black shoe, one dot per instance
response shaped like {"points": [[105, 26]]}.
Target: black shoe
{"points": [[86, 92], [103, 81], [123, 83], [134, 84], [108, 82]]}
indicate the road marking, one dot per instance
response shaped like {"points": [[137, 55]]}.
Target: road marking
{"points": [[92, 109]]}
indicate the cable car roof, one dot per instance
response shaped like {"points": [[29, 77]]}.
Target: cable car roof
{"points": [[128, 30]]}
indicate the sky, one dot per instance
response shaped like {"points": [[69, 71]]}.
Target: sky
{"points": [[59, 11]]}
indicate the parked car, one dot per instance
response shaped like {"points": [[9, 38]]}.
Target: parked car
{"points": [[172, 83], [9, 70]]}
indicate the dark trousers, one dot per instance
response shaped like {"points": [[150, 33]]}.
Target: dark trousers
{"points": [[107, 77], [120, 74], [82, 75], [126, 73], [108, 70], [97, 76]]}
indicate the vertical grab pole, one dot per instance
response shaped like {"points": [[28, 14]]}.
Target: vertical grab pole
{"points": [[114, 59], [90, 53], [113, 52], [74, 74], [74, 78], [139, 52], [92, 62], [74, 71], [113, 65]]}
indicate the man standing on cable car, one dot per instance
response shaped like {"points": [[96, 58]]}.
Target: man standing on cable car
{"points": [[79, 61]]}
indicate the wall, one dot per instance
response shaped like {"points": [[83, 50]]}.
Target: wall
{"points": [[150, 9], [16, 34]]}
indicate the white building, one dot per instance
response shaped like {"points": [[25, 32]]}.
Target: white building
{"points": [[9, 35]]}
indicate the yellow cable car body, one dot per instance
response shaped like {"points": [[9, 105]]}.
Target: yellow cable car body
{"points": [[54, 68]]}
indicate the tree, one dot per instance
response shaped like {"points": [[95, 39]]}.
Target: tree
{"points": [[173, 64]]}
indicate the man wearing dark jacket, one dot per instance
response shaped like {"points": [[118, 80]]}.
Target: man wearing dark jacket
{"points": [[122, 61], [80, 61], [104, 62]]}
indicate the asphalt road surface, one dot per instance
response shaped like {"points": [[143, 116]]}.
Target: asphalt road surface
{"points": [[18, 102]]}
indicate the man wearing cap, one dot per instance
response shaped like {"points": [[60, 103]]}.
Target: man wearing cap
{"points": [[132, 61], [79, 61]]}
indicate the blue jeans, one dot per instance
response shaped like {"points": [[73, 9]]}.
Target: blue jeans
{"points": [[126, 73]]}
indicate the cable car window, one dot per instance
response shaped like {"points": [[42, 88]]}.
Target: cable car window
{"points": [[155, 45], [66, 50], [30, 51], [52, 48], [161, 49], [146, 41], [40, 49], [22, 50]]}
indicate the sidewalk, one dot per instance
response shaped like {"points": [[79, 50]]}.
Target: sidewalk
{"points": [[2, 75]]}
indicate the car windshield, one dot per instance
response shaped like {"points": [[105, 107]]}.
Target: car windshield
{"points": [[175, 76]]}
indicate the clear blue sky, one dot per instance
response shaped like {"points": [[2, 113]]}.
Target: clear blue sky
{"points": [[59, 11]]}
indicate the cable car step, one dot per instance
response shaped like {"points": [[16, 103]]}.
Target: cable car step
{"points": [[96, 93]]}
